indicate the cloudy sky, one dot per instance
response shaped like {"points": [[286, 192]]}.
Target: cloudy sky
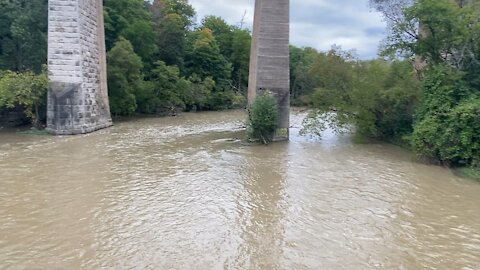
{"points": [[315, 23]]}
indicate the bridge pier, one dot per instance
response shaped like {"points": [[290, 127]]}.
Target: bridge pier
{"points": [[77, 94], [270, 60]]}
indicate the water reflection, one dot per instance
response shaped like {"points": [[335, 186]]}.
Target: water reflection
{"points": [[261, 207]]}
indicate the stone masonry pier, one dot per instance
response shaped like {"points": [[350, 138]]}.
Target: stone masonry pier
{"points": [[269, 61], [77, 94]]}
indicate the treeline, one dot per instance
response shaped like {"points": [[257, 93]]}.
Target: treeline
{"points": [[23, 54], [376, 98], [429, 100], [159, 59]]}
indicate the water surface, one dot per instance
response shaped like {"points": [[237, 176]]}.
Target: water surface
{"points": [[183, 193]]}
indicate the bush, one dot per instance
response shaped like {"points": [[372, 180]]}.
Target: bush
{"points": [[378, 102], [27, 90], [452, 138], [448, 124], [262, 118]]}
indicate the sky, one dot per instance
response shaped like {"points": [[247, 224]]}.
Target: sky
{"points": [[314, 23]]}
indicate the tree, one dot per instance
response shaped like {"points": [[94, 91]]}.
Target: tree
{"points": [[124, 77], [375, 98], [240, 59], [23, 35], [172, 20], [205, 59], [131, 20], [166, 92], [333, 71], [200, 92], [180, 7], [447, 129], [141, 35], [444, 34], [24, 89], [301, 79], [222, 32], [438, 31], [172, 40]]}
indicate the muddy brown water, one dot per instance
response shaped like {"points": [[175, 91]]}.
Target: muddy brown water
{"points": [[183, 193]]}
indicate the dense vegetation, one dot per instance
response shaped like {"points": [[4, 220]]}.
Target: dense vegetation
{"points": [[424, 90], [159, 59], [434, 108]]}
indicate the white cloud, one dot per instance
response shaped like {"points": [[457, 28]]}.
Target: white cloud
{"points": [[315, 23]]}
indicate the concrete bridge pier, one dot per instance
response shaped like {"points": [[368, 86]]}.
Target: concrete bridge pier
{"points": [[77, 94], [269, 60]]}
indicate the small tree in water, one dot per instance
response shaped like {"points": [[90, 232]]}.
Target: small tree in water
{"points": [[262, 118]]}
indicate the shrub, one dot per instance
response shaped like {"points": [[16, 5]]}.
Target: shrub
{"points": [[451, 138], [448, 124], [262, 118], [24, 89]]}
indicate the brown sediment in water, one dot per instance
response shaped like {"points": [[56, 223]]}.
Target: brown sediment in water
{"points": [[178, 193]]}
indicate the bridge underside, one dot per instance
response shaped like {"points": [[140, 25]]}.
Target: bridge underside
{"points": [[269, 61], [77, 94]]}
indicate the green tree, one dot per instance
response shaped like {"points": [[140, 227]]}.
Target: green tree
{"points": [[200, 92], [24, 89], [448, 119], [23, 35], [131, 20], [378, 100], [179, 7], [142, 37], [301, 79], [333, 72], [124, 77], [240, 59], [447, 33], [172, 40], [222, 32], [206, 60], [167, 90], [444, 34]]}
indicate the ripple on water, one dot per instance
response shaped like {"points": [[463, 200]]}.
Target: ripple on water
{"points": [[182, 193]]}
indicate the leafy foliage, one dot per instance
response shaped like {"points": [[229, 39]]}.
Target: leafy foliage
{"points": [[262, 118], [159, 61], [124, 77], [443, 36], [24, 89], [23, 35], [240, 59], [172, 40], [448, 119], [376, 98]]}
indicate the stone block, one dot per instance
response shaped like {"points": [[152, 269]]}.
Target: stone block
{"points": [[269, 60], [76, 54]]}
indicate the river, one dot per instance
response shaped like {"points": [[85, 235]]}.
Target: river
{"points": [[183, 193]]}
